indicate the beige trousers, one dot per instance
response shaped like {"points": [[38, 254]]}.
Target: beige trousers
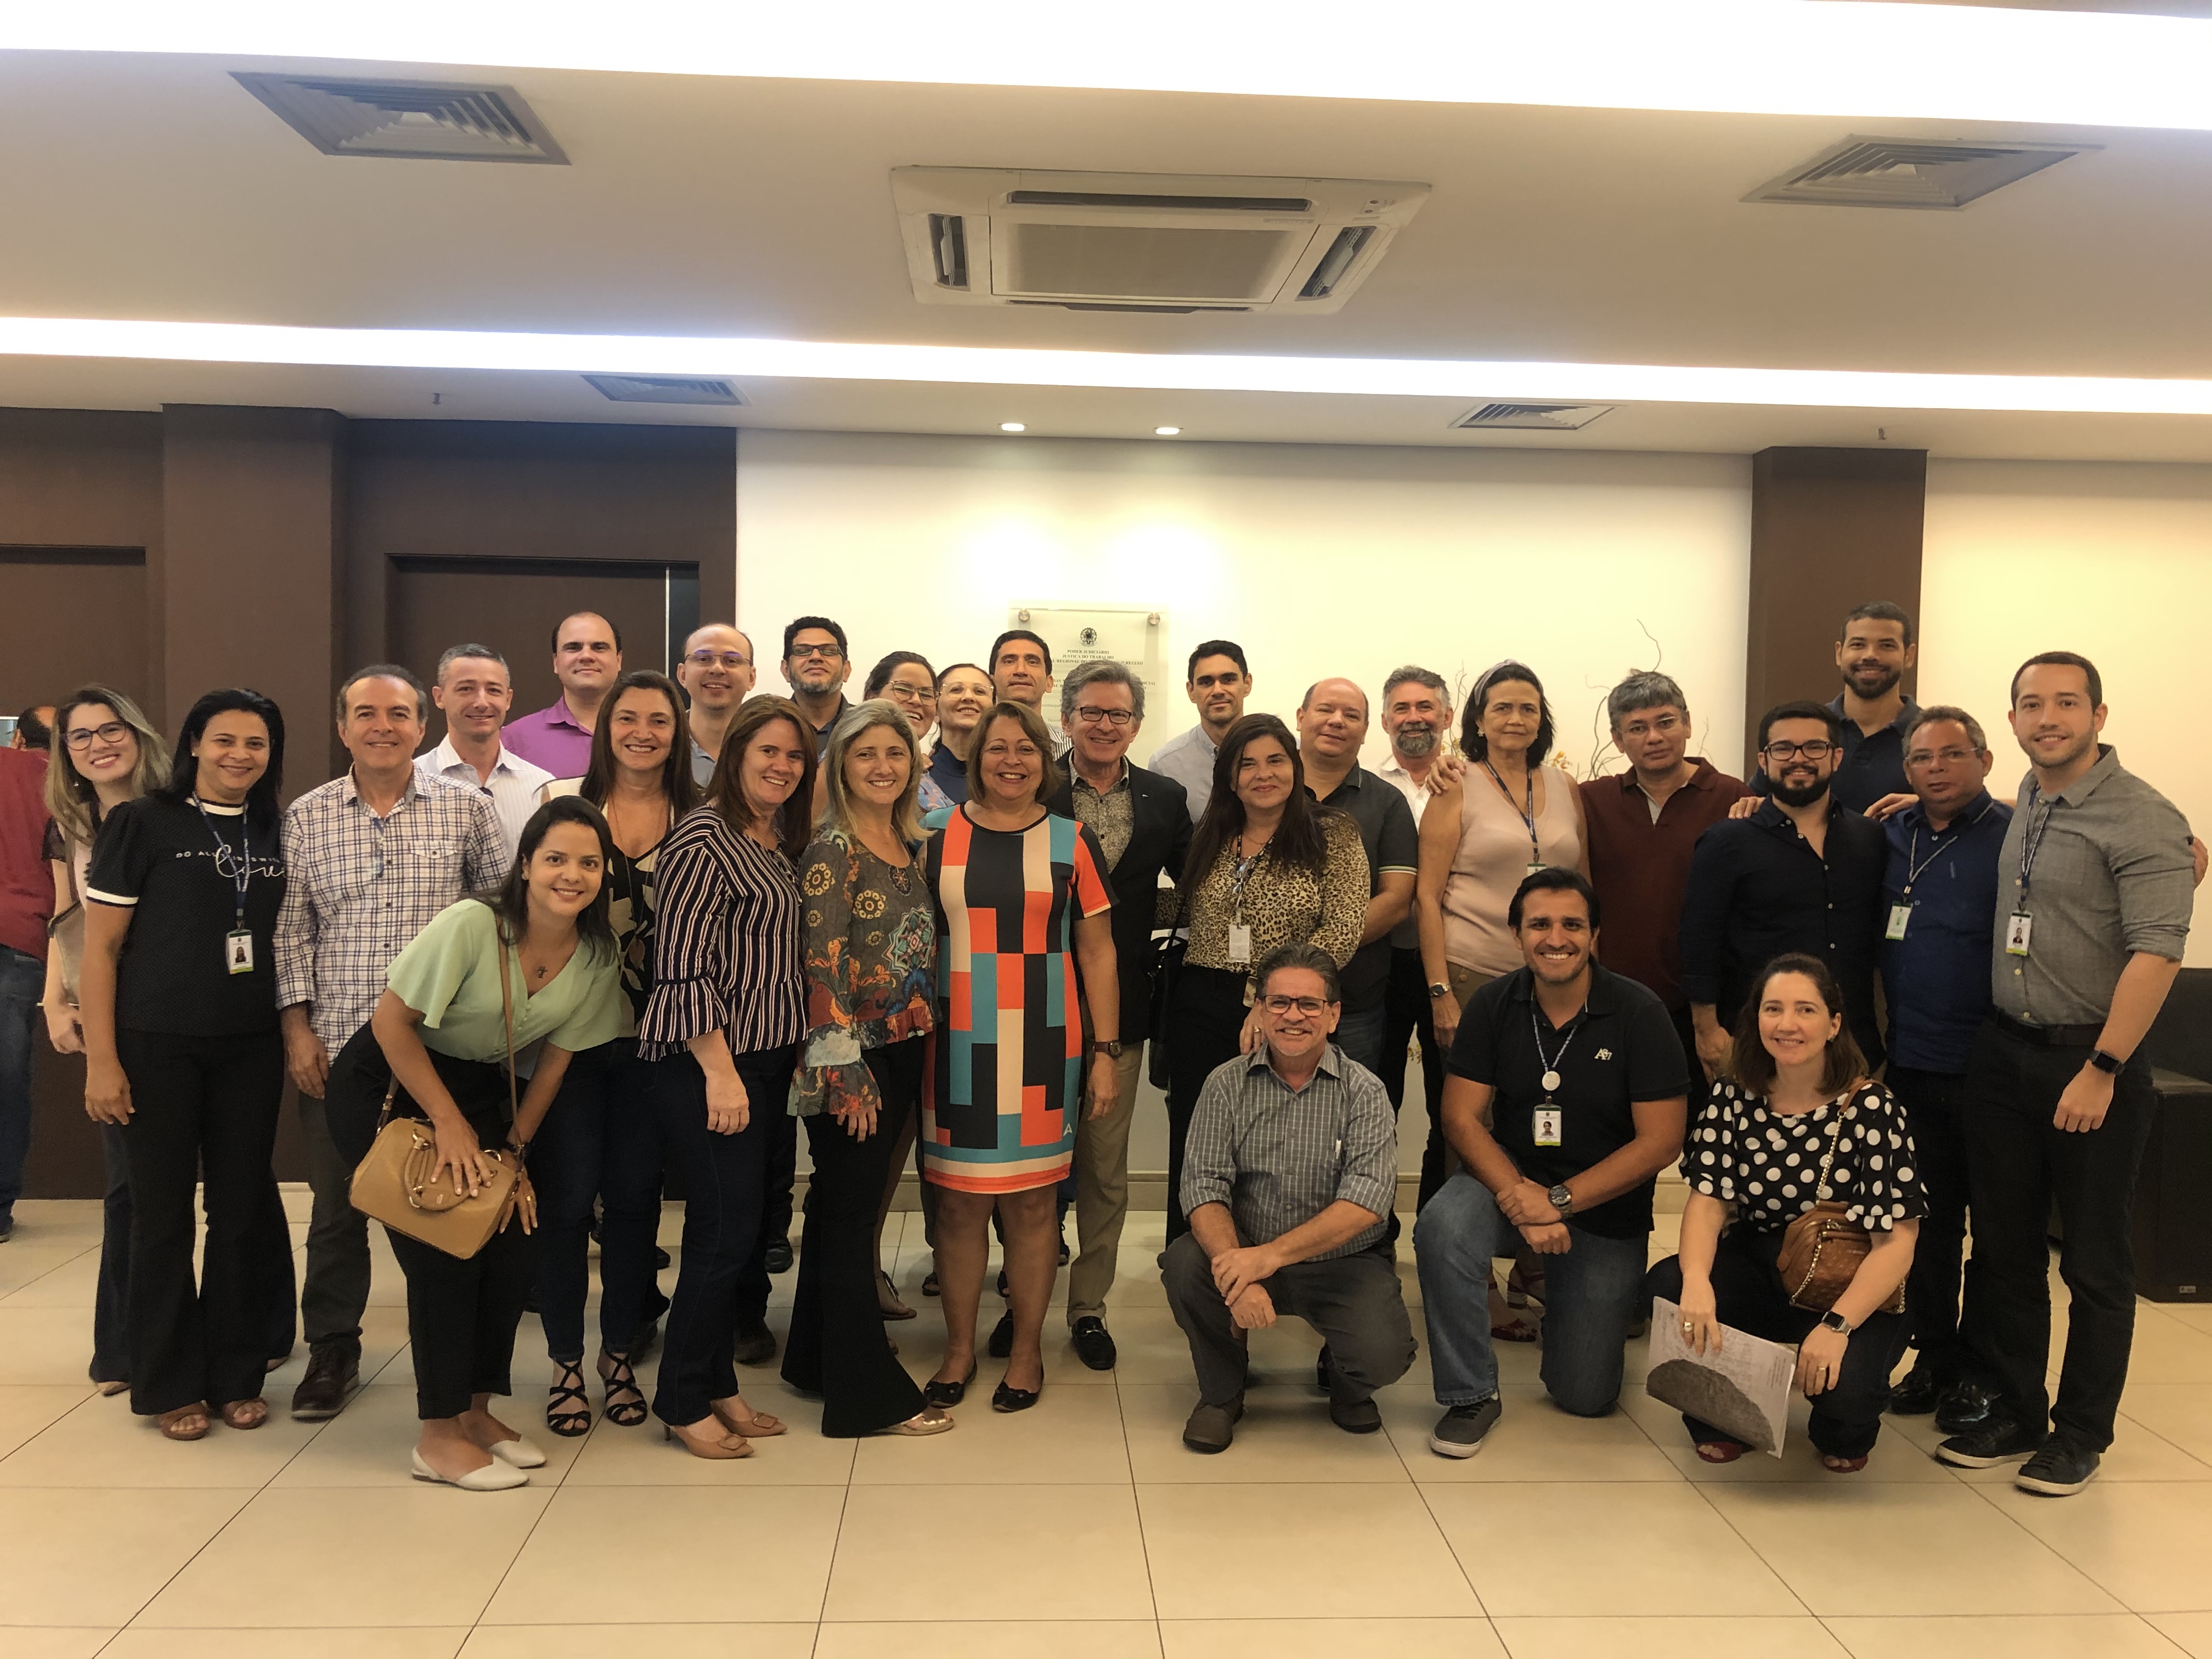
{"points": [[1102, 1190]]}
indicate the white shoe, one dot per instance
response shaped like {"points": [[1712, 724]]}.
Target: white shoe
{"points": [[519, 1452], [494, 1476]]}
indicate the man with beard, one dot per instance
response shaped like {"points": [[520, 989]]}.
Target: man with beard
{"points": [[1416, 715], [1569, 1094], [1642, 825], [1220, 681], [1876, 651], [717, 675], [1801, 874], [816, 663]]}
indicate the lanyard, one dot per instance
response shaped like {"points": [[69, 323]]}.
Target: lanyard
{"points": [[2031, 840], [1916, 866], [1239, 871], [1550, 1079], [1527, 815], [243, 874]]}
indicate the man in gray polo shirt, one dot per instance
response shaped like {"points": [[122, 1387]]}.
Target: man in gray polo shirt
{"points": [[1289, 1176], [2094, 897]]}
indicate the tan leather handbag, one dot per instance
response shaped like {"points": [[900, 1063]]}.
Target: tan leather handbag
{"points": [[1822, 1249], [393, 1183]]}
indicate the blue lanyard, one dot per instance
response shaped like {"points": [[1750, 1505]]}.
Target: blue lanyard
{"points": [[243, 875], [1916, 866]]}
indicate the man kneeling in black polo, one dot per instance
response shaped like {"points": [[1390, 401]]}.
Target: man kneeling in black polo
{"points": [[1567, 1094]]}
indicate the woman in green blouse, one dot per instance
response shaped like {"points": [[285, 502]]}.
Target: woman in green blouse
{"points": [[441, 1033]]}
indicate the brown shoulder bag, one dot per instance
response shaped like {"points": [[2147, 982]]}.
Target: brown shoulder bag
{"points": [[1822, 1249]]}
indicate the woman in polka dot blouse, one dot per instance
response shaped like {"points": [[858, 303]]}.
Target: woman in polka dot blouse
{"points": [[1797, 1083]]}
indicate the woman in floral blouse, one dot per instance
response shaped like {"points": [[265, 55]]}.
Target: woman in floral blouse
{"points": [[871, 944]]}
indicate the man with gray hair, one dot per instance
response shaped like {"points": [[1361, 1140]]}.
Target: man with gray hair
{"points": [[1642, 825], [1142, 821], [474, 690]]}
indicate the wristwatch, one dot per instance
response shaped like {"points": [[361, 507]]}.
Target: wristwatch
{"points": [[2108, 1064], [1836, 1322], [1562, 1200], [1110, 1047], [1440, 989]]}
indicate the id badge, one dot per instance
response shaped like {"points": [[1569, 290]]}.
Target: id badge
{"points": [[1535, 865], [1547, 1126], [1899, 916], [2016, 932], [1240, 945], [238, 951]]}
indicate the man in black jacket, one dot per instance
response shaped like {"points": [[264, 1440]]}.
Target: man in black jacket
{"points": [[1801, 874], [1142, 821]]}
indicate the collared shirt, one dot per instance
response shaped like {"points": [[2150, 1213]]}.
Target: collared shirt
{"points": [[1393, 842], [702, 765], [513, 789], [1872, 764], [1406, 935], [1640, 866], [1935, 978], [1111, 816], [948, 772], [1188, 757], [1621, 1049], [1278, 1157], [2112, 878], [1757, 889], [821, 731], [361, 887], [553, 739]]}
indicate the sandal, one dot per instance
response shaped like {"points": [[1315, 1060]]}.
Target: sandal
{"points": [[753, 1425], [887, 1298], [1506, 1326], [624, 1399], [567, 1409], [243, 1413], [1719, 1451], [929, 1284], [1842, 1465], [176, 1424]]}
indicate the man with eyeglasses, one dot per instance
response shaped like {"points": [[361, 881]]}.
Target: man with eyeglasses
{"points": [[587, 660], [717, 675], [1289, 1177], [1569, 1092], [1144, 827], [473, 691], [1801, 872], [372, 856], [816, 663]]}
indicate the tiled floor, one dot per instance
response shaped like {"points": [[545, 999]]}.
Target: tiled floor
{"points": [[1082, 1528]]}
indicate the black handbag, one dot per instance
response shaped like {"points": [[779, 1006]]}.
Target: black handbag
{"points": [[1168, 952]]}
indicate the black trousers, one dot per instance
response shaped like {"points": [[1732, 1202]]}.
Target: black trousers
{"points": [[203, 1111], [1933, 1104], [600, 1140], [781, 1165], [2018, 1162], [723, 1282], [1407, 1014], [837, 1348], [461, 1316], [1748, 1293], [1206, 1023]]}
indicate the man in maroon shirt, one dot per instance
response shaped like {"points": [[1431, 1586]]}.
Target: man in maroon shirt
{"points": [[26, 900], [1643, 823]]}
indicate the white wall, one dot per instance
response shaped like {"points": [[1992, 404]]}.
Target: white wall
{"points": [[2109, 559], [1319, 560]]}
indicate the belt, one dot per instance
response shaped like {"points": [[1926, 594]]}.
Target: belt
{"points": [[2051, 1036]]}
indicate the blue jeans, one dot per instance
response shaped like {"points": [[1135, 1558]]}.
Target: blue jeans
{"points": [[1360, 1033], [22, 982], [1592, 1294], [601, 1140]]}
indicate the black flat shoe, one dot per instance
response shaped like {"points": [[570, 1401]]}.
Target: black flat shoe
{"points": [[779, 1255], [1094, 1344], [1002, 1337], [756, 1346], [949, 1394], [1007, 1398], [1917, 1393]]}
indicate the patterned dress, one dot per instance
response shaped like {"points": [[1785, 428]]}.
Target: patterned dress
{"points": [[871, 944], [1001, 1115]]}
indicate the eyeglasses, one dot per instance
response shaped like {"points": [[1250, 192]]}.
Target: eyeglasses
{"points": [[827, 653], [1948, 756], [1819, 749], [1116, 718], [910, 693], [722, 658], [83, 737], [1307, 1005]]}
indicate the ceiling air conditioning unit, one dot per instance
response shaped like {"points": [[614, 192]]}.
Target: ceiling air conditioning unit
{"points": [[1120, 241]]}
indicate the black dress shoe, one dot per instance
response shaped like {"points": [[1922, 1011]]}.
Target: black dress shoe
{"points": [[949, 1394], [1002, 1285], [1002, 1336], [1966, 1407], [333, 1374], [661, 1259], [1094, 1343], [2000, 1441], [780, 1257], [1007, 1398], [756, 1346], [1322, 1368], [646, 1340], [1916, 1396], [1063, 1249]]}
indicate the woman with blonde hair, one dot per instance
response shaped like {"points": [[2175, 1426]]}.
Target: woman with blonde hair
{"points": [[871, 941]]}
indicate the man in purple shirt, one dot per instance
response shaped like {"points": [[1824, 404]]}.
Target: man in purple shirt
{"points": [[587, 660]]}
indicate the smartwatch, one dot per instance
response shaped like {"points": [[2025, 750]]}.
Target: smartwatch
{"points": [[2108, 1064], [1562, 1200], [1836, 1322], [1110, 1047]]}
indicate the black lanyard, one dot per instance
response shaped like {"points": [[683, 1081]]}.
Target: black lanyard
{"points": [[243, 875], [1915, 865], [1527, 815], [2031, 840]]}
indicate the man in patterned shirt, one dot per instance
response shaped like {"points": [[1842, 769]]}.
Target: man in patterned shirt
{"points": [[372, 855], [1289, 1176]]}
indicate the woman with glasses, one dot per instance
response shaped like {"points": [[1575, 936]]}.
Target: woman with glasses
{"points": [[906, 678]]}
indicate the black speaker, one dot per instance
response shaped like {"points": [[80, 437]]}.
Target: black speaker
{"points": [[2173, 1235]]}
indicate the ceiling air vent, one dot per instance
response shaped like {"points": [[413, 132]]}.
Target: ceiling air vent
{"points": [[1112, 241], [1533, 417], [1911, 172], [665, 389], [426, 120]]}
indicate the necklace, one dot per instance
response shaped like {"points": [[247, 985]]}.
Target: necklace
{"points": [[1550, 1065]]}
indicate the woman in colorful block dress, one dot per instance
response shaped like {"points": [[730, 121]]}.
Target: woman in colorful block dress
{"points": [[1024, 948]]}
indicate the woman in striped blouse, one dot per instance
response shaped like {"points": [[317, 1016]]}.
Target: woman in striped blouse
{"points": [[727, 1013]]}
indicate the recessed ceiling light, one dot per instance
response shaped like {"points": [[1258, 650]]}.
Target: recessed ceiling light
{"points": [[740, 359], [1165, 431], [1011, 426]]}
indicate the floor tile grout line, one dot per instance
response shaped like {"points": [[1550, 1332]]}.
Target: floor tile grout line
{"points": [[1704, 1496], [1137, 1508]]}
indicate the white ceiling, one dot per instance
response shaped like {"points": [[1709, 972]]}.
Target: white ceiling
{"points": [[146, 187]]}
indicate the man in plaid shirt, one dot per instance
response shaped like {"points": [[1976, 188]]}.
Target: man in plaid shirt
{"points": [[372, 855]]}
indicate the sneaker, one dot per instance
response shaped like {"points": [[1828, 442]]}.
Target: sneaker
{"points": [[1917, 1393], [333, 1374], [1094, 1343], [2060, 1469], [756, 1346], [1967, 1407], [1002, 1337], [779, 1255], [1211, 1428], [2001, 1442], [7, 1226], [1460, 1431], [1356, 1416]]}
